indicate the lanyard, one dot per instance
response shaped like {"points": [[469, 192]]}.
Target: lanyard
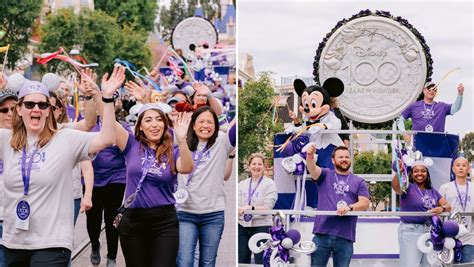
{"points": [[252, 192], [463, 204], [197, 158], [26, 170], [423, 197]]}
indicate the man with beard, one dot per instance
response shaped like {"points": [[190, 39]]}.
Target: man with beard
{"points": [[339, 190], [429, 115]]}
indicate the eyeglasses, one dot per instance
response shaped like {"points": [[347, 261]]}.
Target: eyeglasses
{"points": [[31, 105], [5, 110]]}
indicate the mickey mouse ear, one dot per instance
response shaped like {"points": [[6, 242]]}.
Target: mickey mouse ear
{"points": [[51, 81], [15, 81], [334, 86], [299, 86], [428, 161]]}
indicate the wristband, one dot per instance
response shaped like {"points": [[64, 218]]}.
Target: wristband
{"points": [[231, 156], [351, 208], [108, 100], [88, 97], [253, 207]]}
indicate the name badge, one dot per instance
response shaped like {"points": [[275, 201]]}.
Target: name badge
{"points": [[247, 221], [23, 215], [181, 195]]}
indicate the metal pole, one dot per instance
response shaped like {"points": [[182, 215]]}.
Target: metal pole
{"points": [[394, 194]]}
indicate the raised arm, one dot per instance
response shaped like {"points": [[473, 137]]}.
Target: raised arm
{"points": [[185, 163], [456, 106], [314, 170], [107, 134], [395, 182]]}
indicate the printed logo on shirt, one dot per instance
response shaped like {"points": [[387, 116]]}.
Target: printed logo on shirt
{"points": [[427, 114], [155, 168], [428, 202], [39, 157], [340, 187]]}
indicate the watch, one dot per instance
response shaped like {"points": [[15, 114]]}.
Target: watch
{"points": [[253, 207], [351, 208], [88, 97], [108, 100]]}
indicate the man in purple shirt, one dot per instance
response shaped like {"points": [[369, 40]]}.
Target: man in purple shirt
{"points": [[428, 115], [342, 191]]}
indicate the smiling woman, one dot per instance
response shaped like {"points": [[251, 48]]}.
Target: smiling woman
{"points": [[38, 221]]}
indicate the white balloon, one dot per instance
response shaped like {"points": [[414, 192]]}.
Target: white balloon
{"points": [[51, 81], [449, 243], [287, 243], [424, 243], [432, 258], [253, 242]]}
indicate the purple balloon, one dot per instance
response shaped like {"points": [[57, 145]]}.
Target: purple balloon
{"points": [[288, 151], [450, 228], [436, 232], [294, 235], [300, 169], [394, 166], [458, 251]]}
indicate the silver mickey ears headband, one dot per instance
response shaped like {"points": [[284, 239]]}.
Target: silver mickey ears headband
{"points": [[413, 158]]}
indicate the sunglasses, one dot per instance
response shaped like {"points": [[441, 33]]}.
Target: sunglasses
{"points": [[5, 110], [31, 105], [432, 88]]}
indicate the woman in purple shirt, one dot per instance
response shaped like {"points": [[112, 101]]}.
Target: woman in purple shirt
{"points": [[422, 197], [149, 233]]}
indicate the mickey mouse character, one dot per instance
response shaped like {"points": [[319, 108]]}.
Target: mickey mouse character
{"points": [[316, 110]]}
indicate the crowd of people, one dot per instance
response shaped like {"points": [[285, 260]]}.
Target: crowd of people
{"points": [[123, 153]]}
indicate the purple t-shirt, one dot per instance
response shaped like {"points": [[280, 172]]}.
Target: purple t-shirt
{"points": [[423, 114], [332, 189], [109, 164], [71, 113], [157, 188], [416, 199]]}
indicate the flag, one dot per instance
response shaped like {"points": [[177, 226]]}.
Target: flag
{"points": [[443, 150], [174, 65]]}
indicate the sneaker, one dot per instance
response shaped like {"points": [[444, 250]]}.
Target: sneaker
{"points": [[111, 263], [95, 255]]}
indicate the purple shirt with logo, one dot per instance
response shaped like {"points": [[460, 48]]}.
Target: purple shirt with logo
{"points": [[416, 199], [423, 114], [109, 164], [157, 188], [71, 113], [331, 190]]}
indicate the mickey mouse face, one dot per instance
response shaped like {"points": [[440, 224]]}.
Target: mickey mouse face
{"points": [[311, 104]]}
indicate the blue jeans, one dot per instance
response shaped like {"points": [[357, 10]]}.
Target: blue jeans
{"points": [[77, 208], [467, 253], [2, 248], [340, 248], [408, 235], [207, 228]]}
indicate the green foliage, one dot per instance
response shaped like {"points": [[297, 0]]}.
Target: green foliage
{"points": [[256, 129], [467, 145], [375, 163], [138, 14], [179, 10], [99, 37], [16, 20]]}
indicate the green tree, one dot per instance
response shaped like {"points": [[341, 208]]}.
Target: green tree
{"points": [[97, 35], [467, 145], [256, 129], [138, 14], [375, 163], [16, 20], [171, 16]]}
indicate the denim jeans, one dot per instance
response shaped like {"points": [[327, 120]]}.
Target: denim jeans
{"points": [[207, 228], [408, 235], [467, 253], [2, 248], [77, 208], [339, 248]]}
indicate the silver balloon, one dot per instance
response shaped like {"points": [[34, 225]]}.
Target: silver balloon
{"points": [[446, 256], [288, 164], [305, 247]]}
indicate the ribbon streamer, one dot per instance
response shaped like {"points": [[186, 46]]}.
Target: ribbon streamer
{"points": [[4, 49], [132, 69]]}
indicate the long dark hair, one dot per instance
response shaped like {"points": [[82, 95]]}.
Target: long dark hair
{"points": [[192, 138], [164, 146], [427, 184]]}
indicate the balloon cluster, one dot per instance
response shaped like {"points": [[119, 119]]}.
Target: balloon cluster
{"points": [[442, 244], [279, 243], [295, 154]]}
